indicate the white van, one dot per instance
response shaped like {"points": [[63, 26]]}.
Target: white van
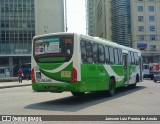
{"points": [[146, 71], [4, 72]]}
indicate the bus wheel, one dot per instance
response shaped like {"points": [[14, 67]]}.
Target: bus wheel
{"points": [[78, 94], [112, 87]]}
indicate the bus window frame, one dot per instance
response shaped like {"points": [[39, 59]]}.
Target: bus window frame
{"points": [[110, 55], [95, 58], [107, 58], [101, 62], [116, 55]]}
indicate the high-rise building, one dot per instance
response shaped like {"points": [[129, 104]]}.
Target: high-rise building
{"points": [[133, 23], [17, 27], [98, 18], [111, 19], [146, 28], [90, 17], [121, 22], [50, 16], [18, 19]]}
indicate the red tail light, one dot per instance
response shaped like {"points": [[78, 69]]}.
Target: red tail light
{"points": [[74, 76], [33, 75]]}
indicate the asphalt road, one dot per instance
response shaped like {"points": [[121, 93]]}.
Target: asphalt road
{"points": [[143, 100]]}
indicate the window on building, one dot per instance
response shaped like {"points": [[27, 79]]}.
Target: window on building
{"points": [[152, 37], [140, 18], [151, 8], [141, 37], [151, 18], [152, 28], [140, 8], [152, 47], [141, 28]]}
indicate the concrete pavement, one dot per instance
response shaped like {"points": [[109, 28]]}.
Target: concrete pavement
{"points": [[10, 84]]}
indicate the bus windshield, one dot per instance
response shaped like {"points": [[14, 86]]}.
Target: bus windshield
{"points": [[53, 49]]}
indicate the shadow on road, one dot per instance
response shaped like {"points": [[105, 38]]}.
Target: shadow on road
{"points": [[73, 104]]}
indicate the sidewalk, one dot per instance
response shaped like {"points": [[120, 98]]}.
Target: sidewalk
{"points": [[14, 84]]}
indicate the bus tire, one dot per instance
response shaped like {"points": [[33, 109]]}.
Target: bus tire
{"points": [[112, 87], [78, 94]]}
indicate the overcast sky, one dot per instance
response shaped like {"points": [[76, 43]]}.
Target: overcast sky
{"points": [[76, 17]]}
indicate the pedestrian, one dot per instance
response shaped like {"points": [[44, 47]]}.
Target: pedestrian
{"points": [[20, 75]]}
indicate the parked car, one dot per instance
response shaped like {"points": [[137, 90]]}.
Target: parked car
{"points": [[156, 77], [4, 72]]}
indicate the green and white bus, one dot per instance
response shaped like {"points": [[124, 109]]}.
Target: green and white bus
{"points": [[78, 63]]}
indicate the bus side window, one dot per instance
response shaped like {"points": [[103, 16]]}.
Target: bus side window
{"points": [[101, 56], [116, 56], [111, 55], [132, 56], [89, 52], [95, 53], [120, 56], [107, 54], [136, 58], [83, 51]]}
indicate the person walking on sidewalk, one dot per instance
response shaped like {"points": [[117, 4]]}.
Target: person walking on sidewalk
{"points": [[20, 75]]}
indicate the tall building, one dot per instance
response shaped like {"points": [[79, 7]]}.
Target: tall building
{"points": [[98, 18], [50, 16], [121, 22], [90, 17], [17, 27], [133, 23], [146, 28], [20, 21], [111, 19]]}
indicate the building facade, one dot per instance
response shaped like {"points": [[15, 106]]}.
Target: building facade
{"points": [[17, 27], [133, 23], [146, 28], [98, 18], [50, 16], [111, 19], [90, 17], [20, 22], [121, 22]]}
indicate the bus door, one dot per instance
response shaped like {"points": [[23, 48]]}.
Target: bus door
{"points": [[126, 68]]}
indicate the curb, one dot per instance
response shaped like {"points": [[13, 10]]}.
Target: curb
{"points": [[3, 87]]}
